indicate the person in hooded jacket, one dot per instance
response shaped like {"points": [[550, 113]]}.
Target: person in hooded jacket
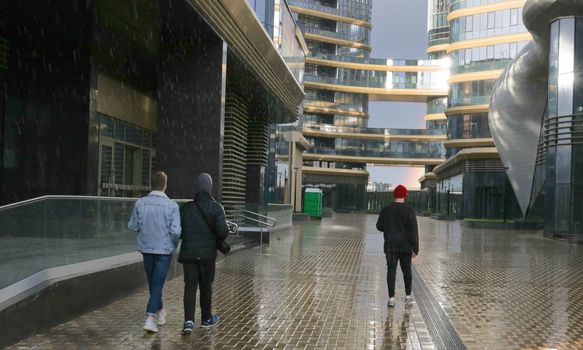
{"points": [[203, 222], [398, 223]]}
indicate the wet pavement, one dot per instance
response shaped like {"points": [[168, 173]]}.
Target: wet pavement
{"points": [[324, 287]]}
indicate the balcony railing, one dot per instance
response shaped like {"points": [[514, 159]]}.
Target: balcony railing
{"points": [[433, 150], [372, 131], [53, 231], [361, 38], [362, 12], [472, 3], [379, 82]]}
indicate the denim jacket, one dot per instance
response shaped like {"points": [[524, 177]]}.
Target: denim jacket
{"points": [[156, 219]]}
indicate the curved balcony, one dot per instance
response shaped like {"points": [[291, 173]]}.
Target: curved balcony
{"points": [[373, 133], [463, 4], [437, 105], [480, 66], [378, 64], [362, 38], [469, 101], [381, 89], [376, 82], [437, 154], [350, 12], [372, 157]]}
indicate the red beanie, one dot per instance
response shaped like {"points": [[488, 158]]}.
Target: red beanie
{"points": [[400, 192]]}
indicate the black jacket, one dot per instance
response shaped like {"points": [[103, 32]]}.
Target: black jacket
{"points": [[398, 222], [199, 241]]}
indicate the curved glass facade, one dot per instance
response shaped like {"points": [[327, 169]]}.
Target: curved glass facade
{"points": [[564, 129], [372, 148], [331, 119], [478, 188], [334, 99], [468, 126], [374, 131], [469, 93], [375, 79], [487, 25], [342, 31], [485, 57], [347, 8], [437, 105], [439, 125], [458, 5], [437, 25]]}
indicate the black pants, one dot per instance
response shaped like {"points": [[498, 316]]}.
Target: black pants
{"points": [[392, 260], [199, 274]]}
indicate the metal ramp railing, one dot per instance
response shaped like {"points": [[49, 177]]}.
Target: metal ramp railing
{"points": [[250, 221]]}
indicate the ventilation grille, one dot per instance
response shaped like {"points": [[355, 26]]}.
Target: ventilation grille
{"points": [[235, 153], [4, 53], [481, 166], [258, 142]]}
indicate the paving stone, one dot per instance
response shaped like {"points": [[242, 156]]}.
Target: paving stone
{"points": [[324, 287]]}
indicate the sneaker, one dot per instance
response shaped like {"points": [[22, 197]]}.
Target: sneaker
{"points": [[187, 329], [150, 325], [391, 302], [211, 322], [408, 300], [161, 315]]}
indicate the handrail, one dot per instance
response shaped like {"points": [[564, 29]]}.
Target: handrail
{"points": [[258, 221], [259, 215], [41, 198], [233, 227]]}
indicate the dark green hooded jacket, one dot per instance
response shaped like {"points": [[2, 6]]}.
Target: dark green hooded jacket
{"points": [[199, 234]]}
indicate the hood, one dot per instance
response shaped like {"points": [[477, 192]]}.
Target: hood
{"points": [[203, 184]]}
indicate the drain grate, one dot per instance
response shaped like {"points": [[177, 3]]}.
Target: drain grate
{"points": [[438, 324]]}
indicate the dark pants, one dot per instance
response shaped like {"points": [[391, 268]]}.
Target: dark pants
{"points": [[392, 261], [199, 274], [156, 267]]}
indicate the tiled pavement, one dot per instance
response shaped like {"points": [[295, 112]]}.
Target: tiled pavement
{"points": [[324, 287]]}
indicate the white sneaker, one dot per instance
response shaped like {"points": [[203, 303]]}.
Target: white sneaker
{"points": [[150, 325], [408, 300], [161, 315], [391, 302]]}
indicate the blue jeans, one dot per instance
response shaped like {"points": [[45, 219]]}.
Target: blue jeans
{"points": [[156, 266]]}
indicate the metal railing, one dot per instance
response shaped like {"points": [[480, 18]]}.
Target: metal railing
{"points": [[269, 221], [52, 231], [262, 221], [55, 230]]}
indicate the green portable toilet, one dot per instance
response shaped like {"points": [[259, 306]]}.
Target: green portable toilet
{"points": [[313, 202]]}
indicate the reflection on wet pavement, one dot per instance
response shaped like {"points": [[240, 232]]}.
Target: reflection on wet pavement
{"points": [[324, 286], [505, 289]]}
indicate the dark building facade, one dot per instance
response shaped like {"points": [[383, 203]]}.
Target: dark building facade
{"points": [[96, 95]]}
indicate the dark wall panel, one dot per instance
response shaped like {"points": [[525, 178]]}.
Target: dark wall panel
{"points": [[190, 93], [46, 97]]}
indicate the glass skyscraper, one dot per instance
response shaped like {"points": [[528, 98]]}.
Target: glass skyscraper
{"points": [[340, 80], [480, 38]]}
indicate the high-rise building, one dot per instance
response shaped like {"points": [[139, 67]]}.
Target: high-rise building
{"points": [[480, 38], [340, 79]]}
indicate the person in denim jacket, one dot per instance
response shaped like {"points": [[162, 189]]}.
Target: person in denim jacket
{"points": [[156, 219]]}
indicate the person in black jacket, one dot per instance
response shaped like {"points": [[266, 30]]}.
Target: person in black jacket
{"points": [[398, 223], [203, 222]]}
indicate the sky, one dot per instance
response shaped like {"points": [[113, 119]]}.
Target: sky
{"points": [[399, 31]]}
